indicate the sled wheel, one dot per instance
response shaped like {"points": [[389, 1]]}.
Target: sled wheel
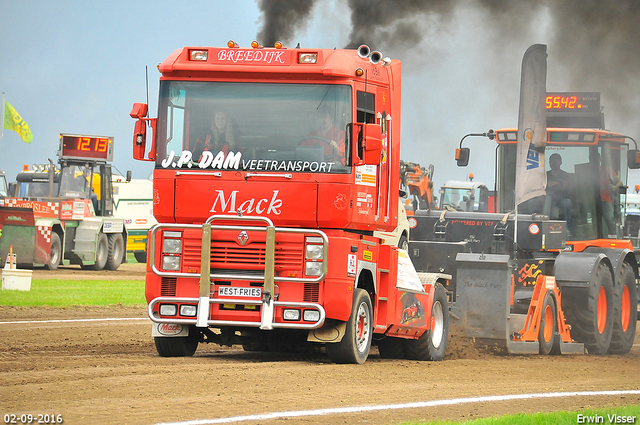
{"points": [[391, 348], [141, 256], [548, 324], [589, 311], [432, 345], [115, 251], [355, 344], [625, 306], [56, 252], [181, 346]]}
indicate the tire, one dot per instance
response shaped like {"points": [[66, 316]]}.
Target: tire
{"points": [[356, 342], [391, 348], [624, 311], [141, 257], [115, 251], [102, 252], [432, 345], [589, 311], [55, 255], [548, 324], [182, 346], [403, 243]]}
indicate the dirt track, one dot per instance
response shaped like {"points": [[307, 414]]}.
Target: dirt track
{"points": [[104, 372]]}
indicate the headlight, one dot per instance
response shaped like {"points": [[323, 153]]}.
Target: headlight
{"points": [[188, 310], [168, 309], [172, 246], [314, 252], [311, 315], [170, 262], [313, 268], [290, 314]]}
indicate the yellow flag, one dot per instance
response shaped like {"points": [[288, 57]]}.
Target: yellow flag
{"points": [[13, 121]]}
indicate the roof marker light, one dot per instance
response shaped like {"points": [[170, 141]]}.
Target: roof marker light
{"points": [[232, 44], [279, 45], [308, 58], [256, 45], [198, 55], [359, 72]]}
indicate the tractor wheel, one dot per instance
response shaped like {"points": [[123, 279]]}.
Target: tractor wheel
{"points": [[115, 251], [589, 311], [391, 348], [355, 344], [624, 312], [102, 251], [56, 252], [141, 256], [432, 345], [548, 324], [180, 346]]}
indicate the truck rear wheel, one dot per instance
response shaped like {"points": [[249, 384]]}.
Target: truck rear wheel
{"points": [[589, 311], [181, 346], [355, 344], [56, 252], [115, 251], [624, 312], [548, 324], [432, 345]]}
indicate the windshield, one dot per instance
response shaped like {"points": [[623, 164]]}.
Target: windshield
{"points": [[75, 181], [462, 199], [585, 187], [3, 186], [254, 127]]}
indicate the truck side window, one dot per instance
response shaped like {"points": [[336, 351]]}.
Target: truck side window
{"points": [[366, 107]]}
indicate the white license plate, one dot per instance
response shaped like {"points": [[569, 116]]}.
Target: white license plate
{"points": [[233, 291]]}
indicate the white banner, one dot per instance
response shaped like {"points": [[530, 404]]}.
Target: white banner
{"points": [[531, 178]]}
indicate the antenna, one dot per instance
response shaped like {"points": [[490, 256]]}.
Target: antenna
{"points": [[146, 74]]}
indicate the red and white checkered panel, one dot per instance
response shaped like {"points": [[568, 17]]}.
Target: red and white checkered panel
{"points": [[44, 232]]}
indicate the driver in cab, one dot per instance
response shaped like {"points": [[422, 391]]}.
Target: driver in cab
{"points": [[328, 136]]}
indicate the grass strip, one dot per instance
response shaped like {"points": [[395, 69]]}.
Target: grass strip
{"points": [[67, 293], [610, 415]]}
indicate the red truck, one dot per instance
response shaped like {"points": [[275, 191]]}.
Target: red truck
{"points": [[273, 168]]}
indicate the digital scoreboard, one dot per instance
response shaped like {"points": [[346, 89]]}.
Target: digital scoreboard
{"points": [[74, 146], [585, 102]]}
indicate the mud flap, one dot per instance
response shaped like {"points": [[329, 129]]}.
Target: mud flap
{"points": [[482, 305]]}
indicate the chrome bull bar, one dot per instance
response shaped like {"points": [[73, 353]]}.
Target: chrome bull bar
{"points": [[269, 279]]}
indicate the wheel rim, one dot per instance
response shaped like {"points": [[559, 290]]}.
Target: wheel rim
{"points": [[602, 310], [55, 255], [548, 323], [625, 310], [362, 328], [437, 324]]}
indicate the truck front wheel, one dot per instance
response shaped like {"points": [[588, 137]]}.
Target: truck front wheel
{"points": [[56, 252], [355, 344], [432, 345], [181, 346]]}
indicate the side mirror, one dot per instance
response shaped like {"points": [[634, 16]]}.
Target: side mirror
{"points": [[462, 157], [633, 159], [372, 144], [139, 111], [128, 176]]}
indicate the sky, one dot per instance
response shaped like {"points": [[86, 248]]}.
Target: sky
{"points": [[77, 66]]}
